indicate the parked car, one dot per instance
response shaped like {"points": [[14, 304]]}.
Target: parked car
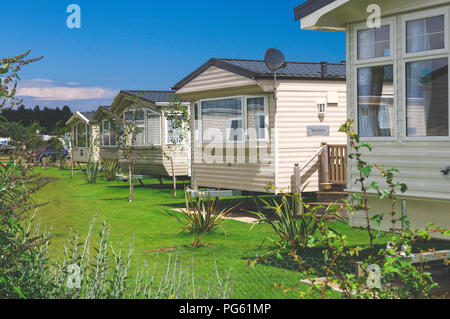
{"points": [[50, 153]]}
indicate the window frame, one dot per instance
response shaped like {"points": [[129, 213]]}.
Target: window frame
{"points": [[147, 144], [423, 56], [266, 118], [420, 16], [243, 118], [86, 126], [392, 43]]}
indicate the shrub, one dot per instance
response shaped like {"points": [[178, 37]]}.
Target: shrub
{"points": [[201, 216], [23, 259], [295, 230], [110, 168], [90, 171]]}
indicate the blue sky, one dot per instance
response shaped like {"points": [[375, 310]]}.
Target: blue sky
{"points": [[148, 45]]}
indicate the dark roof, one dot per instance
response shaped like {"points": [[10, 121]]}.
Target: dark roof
{"points": [[309, 7], [152, 96], [88, 115], [255, 69]]}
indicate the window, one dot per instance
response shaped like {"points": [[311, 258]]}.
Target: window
{"points": [[256, 118], [107, 134], [137, 118], [374, 43], [222, 117], [174, 131], [81, 135], [153, 127], [139, 121], [425, 34], [427, 98], [375, 101], [196, 122]]}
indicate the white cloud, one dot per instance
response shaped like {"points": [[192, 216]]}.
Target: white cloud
{"points": [[67, 93], [49, 90]]}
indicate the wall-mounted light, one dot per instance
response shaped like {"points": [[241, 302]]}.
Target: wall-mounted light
{"points": [[321, 107]]}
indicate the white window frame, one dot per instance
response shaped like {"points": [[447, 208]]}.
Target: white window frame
{"points": [[366, 63], [244, 117], [424, 56], [266, 118], [424, 15], [392, 43]]}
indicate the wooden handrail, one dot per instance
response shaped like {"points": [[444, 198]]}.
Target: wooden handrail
{"points": [[319, 151], [333, 166], [298, 171]]}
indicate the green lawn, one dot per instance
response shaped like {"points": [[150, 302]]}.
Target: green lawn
{"points": [[73, 203]]}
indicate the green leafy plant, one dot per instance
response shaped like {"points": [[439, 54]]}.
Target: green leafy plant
{"points": [[90, 171], [201, 216], [294, 230], [110, 168], [22, 248]]}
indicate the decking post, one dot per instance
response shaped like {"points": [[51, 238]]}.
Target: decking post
{"points": [[194, 179], [325, 172], [298, 188]]}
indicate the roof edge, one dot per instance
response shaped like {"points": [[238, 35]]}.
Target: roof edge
{"points": [[309, 7]]}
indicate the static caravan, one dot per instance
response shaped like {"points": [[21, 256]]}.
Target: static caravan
{"points": [[243, 140], [397, 93], [85, 137], [153, 145]]}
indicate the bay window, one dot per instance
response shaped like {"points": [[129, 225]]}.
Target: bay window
{"points": [[226, 120], [146, 126], [222, 116]]}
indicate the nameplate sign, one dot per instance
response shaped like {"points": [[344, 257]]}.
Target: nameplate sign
{"points": [[323, 130]]}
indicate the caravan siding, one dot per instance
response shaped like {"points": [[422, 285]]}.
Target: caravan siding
{"points": [[297, 109], [241, 173], [215, 78]]}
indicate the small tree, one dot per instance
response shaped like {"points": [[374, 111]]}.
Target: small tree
{"points": [[125, 131], [178, 121]]}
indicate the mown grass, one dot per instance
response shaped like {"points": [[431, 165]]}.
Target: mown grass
{"points": [[73, 204]]}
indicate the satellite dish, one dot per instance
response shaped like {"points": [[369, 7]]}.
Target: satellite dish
{"points": [[274, 60]]}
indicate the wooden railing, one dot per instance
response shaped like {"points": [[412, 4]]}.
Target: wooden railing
{"points": [[334, 164]]}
